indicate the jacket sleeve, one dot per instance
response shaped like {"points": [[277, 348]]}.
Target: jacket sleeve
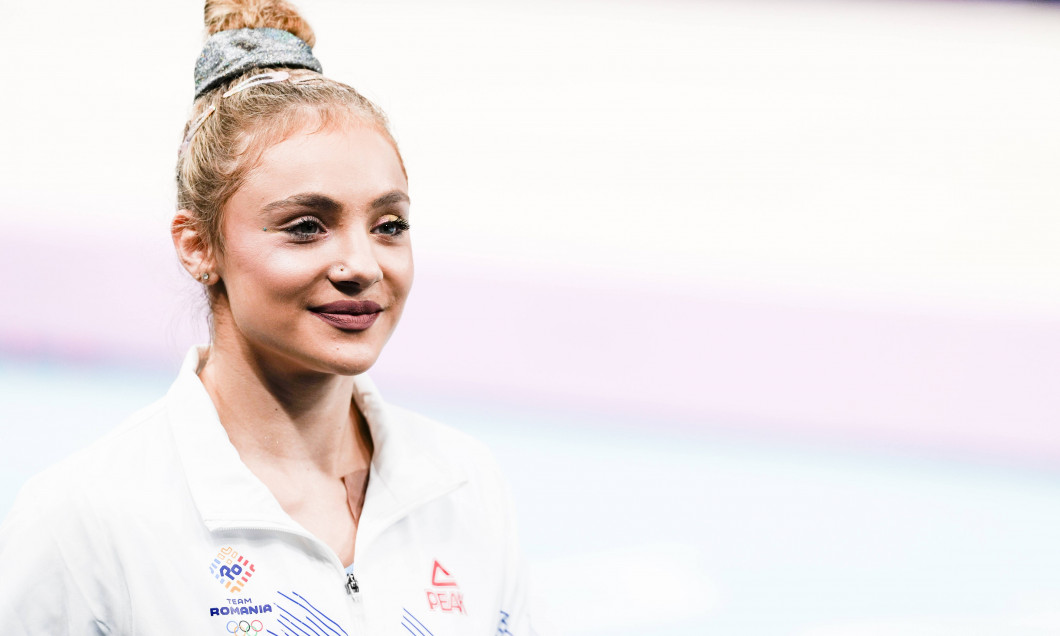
{"points": [[39, 592]]}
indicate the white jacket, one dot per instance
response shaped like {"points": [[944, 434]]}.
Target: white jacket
{"points": [[160, 528]]}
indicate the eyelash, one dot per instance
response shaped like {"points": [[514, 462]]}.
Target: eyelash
{"points": [[306, 222], [399, 225], [308, 228]]}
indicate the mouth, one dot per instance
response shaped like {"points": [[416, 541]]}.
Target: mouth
{"points": [[348, 315]]}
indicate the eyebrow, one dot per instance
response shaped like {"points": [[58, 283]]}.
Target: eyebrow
{"points": [[310, 200], [390, 198], [324, 203]]}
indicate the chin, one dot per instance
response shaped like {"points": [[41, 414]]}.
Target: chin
{"points": [[347, 363], [353, 367], [340, 360]]}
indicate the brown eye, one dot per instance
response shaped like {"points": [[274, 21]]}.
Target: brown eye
{"points": [[305, 229]]}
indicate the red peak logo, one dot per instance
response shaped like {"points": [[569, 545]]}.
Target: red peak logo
{"points": [[440, 577], [444, 600]]}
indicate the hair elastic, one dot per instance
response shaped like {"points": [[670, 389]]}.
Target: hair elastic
{"points": [[228, 54], [264, 78]]}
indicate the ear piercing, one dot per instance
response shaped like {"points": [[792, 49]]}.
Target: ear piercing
{"points": [[205, 276]]}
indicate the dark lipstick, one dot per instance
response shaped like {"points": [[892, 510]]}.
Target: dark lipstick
{"points": [[349, 315]]}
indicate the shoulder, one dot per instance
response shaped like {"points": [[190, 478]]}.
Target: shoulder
{"points": [[444, 443], [143, 432], [424, 455], [84, 481], [57, 540], [432, 432]]}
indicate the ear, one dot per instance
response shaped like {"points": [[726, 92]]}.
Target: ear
{"points": [[193, 249]]}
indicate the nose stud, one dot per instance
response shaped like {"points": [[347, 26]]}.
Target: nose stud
{"points": [[339, 270]]}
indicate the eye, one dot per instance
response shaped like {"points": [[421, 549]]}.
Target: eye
{"points": [[391, 225], [305, 229]]}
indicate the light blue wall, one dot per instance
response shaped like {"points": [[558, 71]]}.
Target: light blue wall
{"points": [[633, 531]]}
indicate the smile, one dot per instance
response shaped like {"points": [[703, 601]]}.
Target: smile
{"points": [[348, 315]]}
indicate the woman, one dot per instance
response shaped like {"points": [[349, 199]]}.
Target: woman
{"points": [[272, 490]]}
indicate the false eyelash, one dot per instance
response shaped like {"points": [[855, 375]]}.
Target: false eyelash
{"points": [[292, 227], [399, 223]]}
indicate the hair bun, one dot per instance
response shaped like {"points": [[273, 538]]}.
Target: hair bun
{"points": [[226, 15]]}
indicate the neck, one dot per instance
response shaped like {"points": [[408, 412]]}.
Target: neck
{"points": [[292, 422]]}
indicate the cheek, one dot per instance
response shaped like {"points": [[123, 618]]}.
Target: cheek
{"points": [[263, 276], [398, 270]]}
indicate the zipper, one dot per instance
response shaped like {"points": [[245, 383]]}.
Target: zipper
{"points": [[353, 591], [352, 588]]}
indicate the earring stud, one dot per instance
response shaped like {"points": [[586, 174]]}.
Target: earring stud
{"points": [[205, 276]]}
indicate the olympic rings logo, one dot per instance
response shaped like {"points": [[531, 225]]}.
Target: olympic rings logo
{"points": [[244, 627]]}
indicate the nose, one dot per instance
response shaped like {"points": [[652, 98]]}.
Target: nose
{"points": [[356, 263]]}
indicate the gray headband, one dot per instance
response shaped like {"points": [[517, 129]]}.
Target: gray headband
{"points": [[228, 54]]}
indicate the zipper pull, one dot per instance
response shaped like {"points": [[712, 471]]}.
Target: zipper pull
{"points": [[351, 584]]}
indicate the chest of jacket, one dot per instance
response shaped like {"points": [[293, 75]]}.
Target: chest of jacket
{"points": [[420, 573]]}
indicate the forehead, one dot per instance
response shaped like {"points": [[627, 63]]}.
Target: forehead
{"points": [[351, 161]]}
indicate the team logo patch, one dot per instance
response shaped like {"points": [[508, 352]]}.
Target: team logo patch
{"points": [[445, 595], [232, 569]]}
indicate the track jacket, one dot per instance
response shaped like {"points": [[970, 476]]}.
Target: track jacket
{"points": [[159, 528]]}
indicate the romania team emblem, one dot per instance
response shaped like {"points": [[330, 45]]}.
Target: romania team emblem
{"points": [[232, 569]]}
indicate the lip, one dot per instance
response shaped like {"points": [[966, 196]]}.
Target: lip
{"points": [[348, 315]]}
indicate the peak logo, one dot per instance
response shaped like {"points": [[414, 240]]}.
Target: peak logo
{"points": [[446, 595], [440, 577], [232, 569]]}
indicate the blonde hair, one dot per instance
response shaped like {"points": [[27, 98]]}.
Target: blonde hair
{"points": [[230, 141]]}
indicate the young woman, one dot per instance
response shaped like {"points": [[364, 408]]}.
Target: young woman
{"points": [[272, 490]]}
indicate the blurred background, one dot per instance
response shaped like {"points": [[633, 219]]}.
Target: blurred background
{"points": [[757, 302]]}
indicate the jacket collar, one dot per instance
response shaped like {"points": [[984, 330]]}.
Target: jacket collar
{"points": [[405, 471]]}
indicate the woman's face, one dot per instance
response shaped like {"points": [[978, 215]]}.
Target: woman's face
{"points": [[317, 261]]}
